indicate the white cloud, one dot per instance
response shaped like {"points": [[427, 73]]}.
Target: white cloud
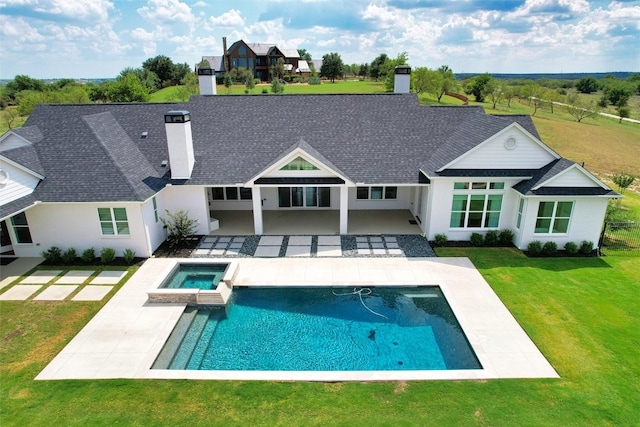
{"points": [[232, 18], [77, 10], [167, 12]]}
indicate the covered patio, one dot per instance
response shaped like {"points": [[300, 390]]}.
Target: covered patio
{"points": [[306, 222]]}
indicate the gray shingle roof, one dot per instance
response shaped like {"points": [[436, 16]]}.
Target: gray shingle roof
{"points": [[95, 152], [25, 156]]}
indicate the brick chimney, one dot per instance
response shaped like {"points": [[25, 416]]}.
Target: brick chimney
{"points": [[180, 143], [402, 79]]}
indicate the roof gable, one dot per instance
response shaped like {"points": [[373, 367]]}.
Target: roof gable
{"points": [[573, 176], [11, 140], [513, 148]]}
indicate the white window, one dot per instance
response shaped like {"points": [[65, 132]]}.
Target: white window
{"points": [[155, 209], [520, 210], [476, 204], [553, 217], [230, 193], [377, 193], [476, 211], [21, 228], [113, 221]]}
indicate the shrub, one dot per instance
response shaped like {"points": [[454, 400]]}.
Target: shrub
{"points": [[550, 249], [179, 227], [586, 247], [88, 256], [476, 239], [265, 90], [107, 255], [129, 256], [506, 237], [534, 248], [492, 238], [53, 255], [570, 248], [314, 81], [69, 256], [441, 240]]}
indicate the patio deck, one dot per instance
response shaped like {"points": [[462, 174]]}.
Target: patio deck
{"points": [[307, 222]]}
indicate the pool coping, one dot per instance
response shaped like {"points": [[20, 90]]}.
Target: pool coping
{"points": [[126, 335]]}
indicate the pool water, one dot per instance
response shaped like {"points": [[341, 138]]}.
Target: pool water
{"points": [[322, 329], [197, 276]]}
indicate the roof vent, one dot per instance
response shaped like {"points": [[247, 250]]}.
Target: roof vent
{"points": [[144, 135], [164, 163]]}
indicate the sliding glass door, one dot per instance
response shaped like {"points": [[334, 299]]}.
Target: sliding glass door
{"points": [[308, 197]]}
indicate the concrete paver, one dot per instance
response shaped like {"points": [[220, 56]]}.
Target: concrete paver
{"points": [[20, 292], [92, 293], [41, 277], [55, 293], [75, 277], [108, 277]]}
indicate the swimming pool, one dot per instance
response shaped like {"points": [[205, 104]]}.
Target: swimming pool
{"points": [[321, 329]]}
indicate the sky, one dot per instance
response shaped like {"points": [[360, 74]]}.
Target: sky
{"points": [[100, 38]]}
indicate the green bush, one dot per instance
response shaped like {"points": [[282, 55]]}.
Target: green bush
{"points": [[440, 240], [534, 248], [179, 227], [492, 238], [265, 90], [476, 239], [53, 255], [69, 256], [107, 255], [506, 237], [314, 81], [88, 256], [129, 256], [586, 247], [550, 249], [570, 248]]}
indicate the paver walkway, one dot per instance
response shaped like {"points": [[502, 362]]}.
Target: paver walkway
{"points": [[312, 246]]}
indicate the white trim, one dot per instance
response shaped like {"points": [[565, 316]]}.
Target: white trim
{"points": [[496, 136], [298, 152], [12, 132], [21, 167]]}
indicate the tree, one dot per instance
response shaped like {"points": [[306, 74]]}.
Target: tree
{"points": [[376, 70], [389, 67], [579, 109], [163, 67], [623, 113], [478, 86], [9, 116], [332, 66], [179, 227], [127, 89], [250, 82], [189, 86], [587, 85], [228, 81], [276, 86], [509, 92], [425, 80], [305, 55], [493, 90], [21, 83], [617, 94], [363, 72], [623, 181], [447, 83]]}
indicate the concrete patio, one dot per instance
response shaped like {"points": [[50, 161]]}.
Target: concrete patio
{"points": [[125, 337]]}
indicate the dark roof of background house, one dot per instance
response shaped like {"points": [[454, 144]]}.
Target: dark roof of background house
{"points": [[96, 152]]}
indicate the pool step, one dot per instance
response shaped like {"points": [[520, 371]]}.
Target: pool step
{"points": [[210, 298], [200, 351], [163, 361], [191, 339]]}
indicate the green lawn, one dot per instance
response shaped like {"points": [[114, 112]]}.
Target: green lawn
{"points": [[581, 312]]}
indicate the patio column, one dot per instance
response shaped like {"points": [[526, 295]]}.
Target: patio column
{"points": [[257, 210], [344, 209]]}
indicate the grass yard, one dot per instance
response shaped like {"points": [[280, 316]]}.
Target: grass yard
{"points": [[581, 312]]}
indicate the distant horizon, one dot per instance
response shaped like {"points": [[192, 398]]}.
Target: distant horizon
{"points": [[41, 38], [461, 73]]}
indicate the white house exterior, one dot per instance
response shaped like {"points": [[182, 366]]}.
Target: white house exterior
{"points": [[102, 175]]}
